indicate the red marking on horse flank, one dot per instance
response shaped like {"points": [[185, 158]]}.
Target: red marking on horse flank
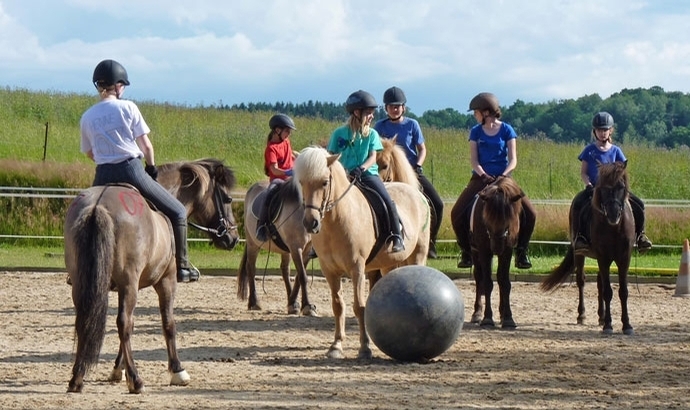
{"points": [[132, 202]]}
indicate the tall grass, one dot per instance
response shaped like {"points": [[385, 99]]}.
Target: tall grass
{"points": [[546, 170]]}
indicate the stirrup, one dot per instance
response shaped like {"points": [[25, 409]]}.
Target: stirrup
{"points": [[398, 244], [643, 243]]}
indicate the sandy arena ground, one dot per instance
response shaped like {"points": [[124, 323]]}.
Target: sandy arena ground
{"points": [[267, 359]]}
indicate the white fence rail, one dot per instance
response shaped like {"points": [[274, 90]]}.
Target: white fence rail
{"points": [[66, 193]]}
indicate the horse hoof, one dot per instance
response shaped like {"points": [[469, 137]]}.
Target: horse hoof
{"points": [[607, 331], [580, 320], [476, 318], [628, 332], [365, 355], [293, 309], [487, 324], [180, 378], [254, 307], [116, 376], [310, 310], [508, 325], [334, 354]]}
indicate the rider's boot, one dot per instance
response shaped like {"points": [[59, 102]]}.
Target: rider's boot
{"points": [[643, 243], [186, 272], [521, 259]]}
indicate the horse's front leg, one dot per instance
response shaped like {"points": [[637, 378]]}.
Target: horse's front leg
{"points": [[484, 266], [166, 300], [127, 300], [580, 279], [300, 261], [478, 291], [359, 285], [623, 296], [607, 295], [338, 306], [291, 292], [504, 287]]}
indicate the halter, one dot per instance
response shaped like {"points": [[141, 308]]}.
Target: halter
{"points": [[326, 204], [223, 222]]}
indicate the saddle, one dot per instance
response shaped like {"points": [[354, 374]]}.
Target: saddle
{"points": [[274, 207], [379, 213]]}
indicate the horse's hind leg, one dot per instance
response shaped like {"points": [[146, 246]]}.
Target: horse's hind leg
{"points": [[127, 299], [166, 300], [118, 369]]}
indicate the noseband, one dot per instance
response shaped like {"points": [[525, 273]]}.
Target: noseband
{"points": [[223, 222], [326, 204]]}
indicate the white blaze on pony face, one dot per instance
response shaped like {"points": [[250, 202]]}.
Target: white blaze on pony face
{"points": [[313, 176]]}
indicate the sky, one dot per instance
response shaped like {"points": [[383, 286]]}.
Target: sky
{"points": [[441, 53]]}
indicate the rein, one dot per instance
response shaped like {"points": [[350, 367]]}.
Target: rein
{"points": [[223, 223]]}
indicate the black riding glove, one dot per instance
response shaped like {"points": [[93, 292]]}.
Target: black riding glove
{"points": [[487, 179], [418, 169], [356, 173], [152, 171]]}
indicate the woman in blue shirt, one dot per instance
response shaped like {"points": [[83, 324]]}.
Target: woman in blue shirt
{"points": [[493, 154]]}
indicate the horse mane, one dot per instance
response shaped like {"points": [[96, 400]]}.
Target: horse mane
{"points": [[313, 163], [393, 164], [501, 202]]}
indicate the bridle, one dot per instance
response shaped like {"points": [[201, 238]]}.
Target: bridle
{"points": [[219, 201], [326, 203]]}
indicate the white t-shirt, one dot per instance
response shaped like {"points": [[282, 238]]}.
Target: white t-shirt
{"points": [[110, 128]]}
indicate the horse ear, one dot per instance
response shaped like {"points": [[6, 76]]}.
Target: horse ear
{"points": [[625, 164], [332, 158]]}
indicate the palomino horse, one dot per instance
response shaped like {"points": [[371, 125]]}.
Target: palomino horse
{"points": [[292, 236], [343, 232], [495, 223], [114, 241], [612, 239]]}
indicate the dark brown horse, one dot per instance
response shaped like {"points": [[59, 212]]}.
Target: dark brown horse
{"points": [[291, 234], [495, 223], [114, 241], [612, 240]]}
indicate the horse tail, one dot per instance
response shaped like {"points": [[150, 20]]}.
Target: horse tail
{"points": [[95, 244], [242, 278], [561, 273]]}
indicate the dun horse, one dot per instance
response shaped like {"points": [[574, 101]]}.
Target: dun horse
{"points": [[114, 241], [343, 232], [495, 223], [612, 240], [293, 241]]}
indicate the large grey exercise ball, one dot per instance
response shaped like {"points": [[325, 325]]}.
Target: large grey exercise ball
{"points": [[414, 313]]}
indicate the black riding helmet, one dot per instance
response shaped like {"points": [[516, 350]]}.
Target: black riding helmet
{"points": [[109, 72], [486, 102], [281, 121], [360, 100], [602, 120], [394, 96]]}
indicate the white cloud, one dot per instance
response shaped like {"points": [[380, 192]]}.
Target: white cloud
{"points": [[296, 50]]}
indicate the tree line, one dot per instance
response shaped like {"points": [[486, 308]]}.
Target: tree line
{"points": [[645, 116]]}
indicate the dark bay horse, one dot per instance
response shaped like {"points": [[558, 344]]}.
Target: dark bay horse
{"points": [[612, 240], [294, 238], [114, 241], [343, 232], [494, 225]]}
